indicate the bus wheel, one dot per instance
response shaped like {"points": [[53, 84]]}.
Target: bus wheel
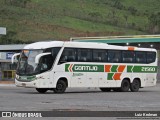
{"points": [[105, 89], [41, 90], [61, 87], [135, 85], [125, 85]]}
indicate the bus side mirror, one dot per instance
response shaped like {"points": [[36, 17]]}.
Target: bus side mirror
{"points": [[37, 58], [14, 56]]}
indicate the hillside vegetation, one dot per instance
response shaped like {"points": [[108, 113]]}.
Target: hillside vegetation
{"points": [[36, 20]]}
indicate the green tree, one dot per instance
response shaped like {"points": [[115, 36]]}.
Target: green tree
{"points": [[126, 20], [19, 3], [154, 23], [118, 4], [132, 10], [10, 38]]}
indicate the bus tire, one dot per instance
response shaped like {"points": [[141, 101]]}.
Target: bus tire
{"points": [[125, 85], [105, 89], [41, 90], [61, 87], [135, 85]]}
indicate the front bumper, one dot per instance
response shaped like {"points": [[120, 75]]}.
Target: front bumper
{"points": [[31, 84]]}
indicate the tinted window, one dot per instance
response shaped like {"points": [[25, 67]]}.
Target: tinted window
{"points": [[48, 60], [140, 57], [84, 55], [68, 55], [53, 51], [99, 56], [151, 57], [128, 57], [114, 56], [46, 63]]}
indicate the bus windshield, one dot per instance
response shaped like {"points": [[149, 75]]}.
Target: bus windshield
{"points": [[27, 65]]}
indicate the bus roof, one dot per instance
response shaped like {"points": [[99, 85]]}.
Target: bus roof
{"points": [[44, 45], [49, 44]]}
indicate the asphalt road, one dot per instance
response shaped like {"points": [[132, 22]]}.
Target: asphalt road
{"points": [[80, 99]]}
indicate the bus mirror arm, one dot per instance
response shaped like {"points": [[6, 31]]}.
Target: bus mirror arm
{"points": [[15, 55], [61, 62], [37, 58]]}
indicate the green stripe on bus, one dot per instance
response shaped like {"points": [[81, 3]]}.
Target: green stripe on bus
{"points": [[114, 68], [88, 68], [142, 69], [66, 67], [84, 68], [100, 68], [110, 76], [129, 68]]}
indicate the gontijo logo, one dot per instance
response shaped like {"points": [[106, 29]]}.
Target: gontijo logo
{"points": [[88, 68], [83, 68]]}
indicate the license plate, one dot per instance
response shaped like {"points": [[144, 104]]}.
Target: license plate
{"points": [[23, 84]]}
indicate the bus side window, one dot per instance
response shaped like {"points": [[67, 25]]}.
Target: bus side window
{"points": [[46, 63], [55, 52], [128, 57], [84, 55], [68, 55], [99, 55], [151, 57], [140, 57], [114, 56]]}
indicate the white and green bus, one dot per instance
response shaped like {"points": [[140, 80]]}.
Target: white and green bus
{"points": [[58, 65]]}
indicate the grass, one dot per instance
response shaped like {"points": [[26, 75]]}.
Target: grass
{"points": [[61, 19]]}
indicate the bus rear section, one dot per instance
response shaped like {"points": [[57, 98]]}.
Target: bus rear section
{"points": [[118, 69]]}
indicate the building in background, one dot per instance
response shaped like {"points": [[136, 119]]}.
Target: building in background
{"points": [[7, 69], [3, 31]]}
